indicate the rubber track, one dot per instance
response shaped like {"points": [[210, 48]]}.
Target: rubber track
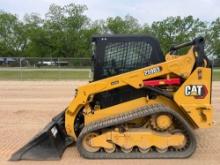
{"points": [[125, 117]]}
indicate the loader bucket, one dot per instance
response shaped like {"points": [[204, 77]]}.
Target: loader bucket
{"points": [[49, 144]]}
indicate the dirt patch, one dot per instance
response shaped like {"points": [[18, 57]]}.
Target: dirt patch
{"points": [[27, 106]]}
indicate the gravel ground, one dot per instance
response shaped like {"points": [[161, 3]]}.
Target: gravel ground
{"points": [[26, 106]]}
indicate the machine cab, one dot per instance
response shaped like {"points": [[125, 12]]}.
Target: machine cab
{"points": [[114, 55]]}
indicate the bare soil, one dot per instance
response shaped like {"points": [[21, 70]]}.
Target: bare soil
{"points": [[27, 106]]}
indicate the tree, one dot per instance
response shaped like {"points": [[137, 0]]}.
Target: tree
{"points": [[146, 29], [12, 35], [215, 37], [37, 37], [66, 32], [126, 25], [175, 30], [66, 27]]}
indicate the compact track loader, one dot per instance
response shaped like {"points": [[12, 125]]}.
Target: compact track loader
{"points": [[140, 104]]}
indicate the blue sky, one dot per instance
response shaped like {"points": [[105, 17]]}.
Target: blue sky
{"points": [[146, 11]]}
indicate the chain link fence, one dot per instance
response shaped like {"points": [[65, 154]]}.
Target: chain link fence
{"points": [[12, 68], [11, 62], [216, 63], [44, 68]]}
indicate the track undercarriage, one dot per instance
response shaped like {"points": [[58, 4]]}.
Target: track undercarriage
{"points": [[147, 132]]}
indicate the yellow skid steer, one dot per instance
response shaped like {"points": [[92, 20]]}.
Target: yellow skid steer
{"points": [[140, 103]]}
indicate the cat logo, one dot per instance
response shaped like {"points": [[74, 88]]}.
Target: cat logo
{"points": [[199, 91]]}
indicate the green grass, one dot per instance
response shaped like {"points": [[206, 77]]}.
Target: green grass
{"points": [[57, 74], [216, 75], [44, 75]]}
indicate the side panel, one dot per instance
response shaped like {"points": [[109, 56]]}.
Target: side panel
{"points": [[194, 97]]}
